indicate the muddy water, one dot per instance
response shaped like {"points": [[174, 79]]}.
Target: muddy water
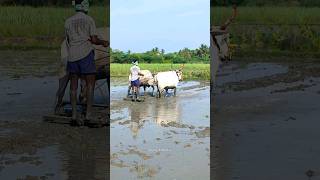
{"points": [[266, 122], [33, 149], [165, 138]]}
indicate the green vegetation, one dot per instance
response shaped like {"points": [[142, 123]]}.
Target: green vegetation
{"points": [[37, 3], [273, 31], [190, 71], [307, 3], [199, 55], [25, 27]]}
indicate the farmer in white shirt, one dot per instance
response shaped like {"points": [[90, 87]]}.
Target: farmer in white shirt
{"points": [[80, 31], [135, 81]]}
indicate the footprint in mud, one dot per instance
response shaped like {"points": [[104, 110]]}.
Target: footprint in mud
{"points": [[290, 119], [125, 122], [144, 171], [115, 161], [187, 145], [142, 155], [29, 177], [203, 133]]}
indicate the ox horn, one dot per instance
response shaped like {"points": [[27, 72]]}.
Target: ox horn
{"points": [[231, 19], [181, 67]]}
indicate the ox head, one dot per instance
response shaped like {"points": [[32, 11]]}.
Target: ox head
{"points": [[220, 36], [221, 41]]}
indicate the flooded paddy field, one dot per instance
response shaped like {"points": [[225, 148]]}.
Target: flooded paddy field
{"points": [[31, 148], [166, 138], [266, 122]]}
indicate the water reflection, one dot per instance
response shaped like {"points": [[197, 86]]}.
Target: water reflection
{"points": [[160, 111], [86, 156], [167, 111]]}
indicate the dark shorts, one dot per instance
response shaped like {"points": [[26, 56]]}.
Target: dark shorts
{"points": [[135, 83], [83, 66]]}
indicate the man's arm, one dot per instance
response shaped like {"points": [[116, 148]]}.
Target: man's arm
{"points": [[95, 40], [93, 35]]}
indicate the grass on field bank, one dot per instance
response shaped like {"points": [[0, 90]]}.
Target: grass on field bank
{"points": [[267, 15], [275, 31], [25, 27], [190, 71]]}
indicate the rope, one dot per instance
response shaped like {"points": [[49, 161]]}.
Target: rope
{"points": [[101, 50]]}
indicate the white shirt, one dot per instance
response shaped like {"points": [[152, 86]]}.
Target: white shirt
{"points": [[78, 30], [134, 70]]}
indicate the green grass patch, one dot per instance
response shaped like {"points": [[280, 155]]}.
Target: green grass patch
{"points": [[267, 15], [273, 31], [25, 27], [190, 71]]}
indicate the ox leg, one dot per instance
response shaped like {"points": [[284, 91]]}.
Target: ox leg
{"points": [[159, 94], [137, 93], [144, 90], [175, 91], [152, 90], [166, 92]]}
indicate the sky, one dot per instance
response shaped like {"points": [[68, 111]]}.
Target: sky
{"points": [[140, 25]]}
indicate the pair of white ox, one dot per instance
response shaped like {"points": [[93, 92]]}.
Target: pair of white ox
{"points": [[162, 80]]}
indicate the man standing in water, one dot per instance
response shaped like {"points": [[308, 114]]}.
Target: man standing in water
{"points": [[135, 81], [80, 31]]}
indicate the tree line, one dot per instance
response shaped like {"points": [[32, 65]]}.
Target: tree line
{"points": [[37, 3], [305, 3], [156, 55]]}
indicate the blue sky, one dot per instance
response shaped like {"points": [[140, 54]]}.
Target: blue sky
{"points": [[140, 25]]}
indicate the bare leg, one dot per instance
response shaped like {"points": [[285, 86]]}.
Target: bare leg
{"points": [[134, 96], [73, 94], [63, 82], [83, 92], [90, 82], [138, 93]]}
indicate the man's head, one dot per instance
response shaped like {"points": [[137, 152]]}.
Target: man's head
{"points": [[135, 62], [81, 5]]}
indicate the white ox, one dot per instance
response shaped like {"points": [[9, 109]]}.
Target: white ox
{"points": [[146, 80], [167, 80], [219, 45], [219, 52]]}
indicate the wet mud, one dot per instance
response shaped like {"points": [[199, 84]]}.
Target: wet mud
{"points": [[265, 119], [31, 148], [166, 138]]}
